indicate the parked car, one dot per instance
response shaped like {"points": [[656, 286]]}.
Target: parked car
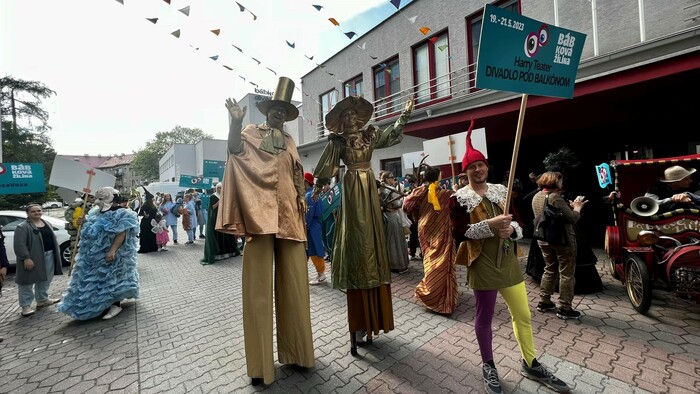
{"points": [[9, 220], [52, 204]]}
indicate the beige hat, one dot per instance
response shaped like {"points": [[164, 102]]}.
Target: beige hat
{"points": [[282, 97], [676, 173]]}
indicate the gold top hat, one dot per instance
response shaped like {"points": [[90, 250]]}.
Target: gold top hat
{"points": [[283, 98]]}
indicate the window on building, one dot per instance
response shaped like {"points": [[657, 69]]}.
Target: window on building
{"points": [[328, 100], [474, 34], [353, 87], [432, 68], [387, 84], [393, 165]]}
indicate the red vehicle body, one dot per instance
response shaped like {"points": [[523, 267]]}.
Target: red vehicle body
{"points": [[648, 249]]}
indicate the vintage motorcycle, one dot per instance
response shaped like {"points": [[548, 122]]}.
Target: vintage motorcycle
{"points": [[647, 249]]}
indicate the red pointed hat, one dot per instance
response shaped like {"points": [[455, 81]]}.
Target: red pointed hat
{"points": [[309, 177], [472, 154]]}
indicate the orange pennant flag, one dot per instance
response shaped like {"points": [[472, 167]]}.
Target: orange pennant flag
{"points": [[216, 31], [424, 30], [333, 21]]}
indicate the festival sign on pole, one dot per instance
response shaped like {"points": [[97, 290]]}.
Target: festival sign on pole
{"points": [[523, 55], [214, 169], [76, 176], [20, 178], [195, 182], [437, 149]]}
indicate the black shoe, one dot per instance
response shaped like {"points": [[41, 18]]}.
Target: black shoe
{"points": [[491, 382], [565, 314], [201, 237], [546, 306], [175, 242], [541, 374], [256, 381]]}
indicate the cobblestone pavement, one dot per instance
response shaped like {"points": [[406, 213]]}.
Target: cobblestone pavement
{"points": [[185, 335]]}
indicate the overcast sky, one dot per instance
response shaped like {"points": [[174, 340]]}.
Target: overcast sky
{"points": [[120, 78]]}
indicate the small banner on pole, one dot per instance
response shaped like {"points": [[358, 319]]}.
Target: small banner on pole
{"points": [[195, 182]]}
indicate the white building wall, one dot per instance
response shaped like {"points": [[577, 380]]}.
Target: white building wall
{"points": [[178, 160]]}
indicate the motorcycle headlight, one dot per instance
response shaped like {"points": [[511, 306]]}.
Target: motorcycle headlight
{"points": [[647, 238]]}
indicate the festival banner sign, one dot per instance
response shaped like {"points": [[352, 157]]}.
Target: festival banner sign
{"points": [[523, 55], [330, 200], [20, 178], [195, 182], [214, 169]]}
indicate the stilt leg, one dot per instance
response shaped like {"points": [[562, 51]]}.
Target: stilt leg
{"points": [[353, 344]]}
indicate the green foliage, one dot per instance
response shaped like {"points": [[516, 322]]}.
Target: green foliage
{"points": [[146, 160], [22, 142]]}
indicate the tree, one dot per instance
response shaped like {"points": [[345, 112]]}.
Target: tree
{"points": [[146, 160], [22, 141]]}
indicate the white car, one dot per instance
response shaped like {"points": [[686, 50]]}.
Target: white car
{"points": [[9, 220], [52, 204]]}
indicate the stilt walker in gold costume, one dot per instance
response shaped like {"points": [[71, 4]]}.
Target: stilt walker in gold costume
{"points": [[263, 199]]}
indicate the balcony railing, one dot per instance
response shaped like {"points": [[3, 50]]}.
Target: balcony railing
{"points": [[443, 89]]}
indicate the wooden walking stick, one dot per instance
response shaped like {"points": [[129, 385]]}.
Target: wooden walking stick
{"points": [[452, 159], [86, 191]]}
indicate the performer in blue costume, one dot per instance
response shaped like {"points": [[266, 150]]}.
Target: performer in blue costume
{"points": [[105, 270]]}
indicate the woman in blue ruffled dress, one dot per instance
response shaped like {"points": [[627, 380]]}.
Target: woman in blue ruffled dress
{"points": [[105, 270]]}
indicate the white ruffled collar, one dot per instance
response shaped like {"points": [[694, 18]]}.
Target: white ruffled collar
{"points": [[468, 198]]}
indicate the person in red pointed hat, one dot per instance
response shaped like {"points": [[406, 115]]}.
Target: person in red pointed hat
{"points": [[486, 237]]}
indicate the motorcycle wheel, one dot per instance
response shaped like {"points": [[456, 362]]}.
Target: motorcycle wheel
{"points": [[638, 284]]}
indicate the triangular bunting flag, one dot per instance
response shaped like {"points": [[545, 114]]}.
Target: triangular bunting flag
{"points": [[254, 17], [176, 33], [216, 31], [273, 71], [254, 84], [195, 48], [291, 44], [333, 21], [382, 65], [185, 10], [433, 39], [373, 57], [256, 60], [350, 34], [241, 77], [412, 19], [424, 30], [152, 20], [167, 1], [227, 67], [442, 47], [310, 58], [317, 7], [320, 65], [215, 57], [331, 74], [120, 2], [395, 3], [239, 49], [364, 45], [240, 6]]}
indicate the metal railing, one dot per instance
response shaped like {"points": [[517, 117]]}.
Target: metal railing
{"points": [[442, 90]]}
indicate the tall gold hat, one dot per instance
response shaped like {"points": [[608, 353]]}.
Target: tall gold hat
{"points": [[282, 97]]}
